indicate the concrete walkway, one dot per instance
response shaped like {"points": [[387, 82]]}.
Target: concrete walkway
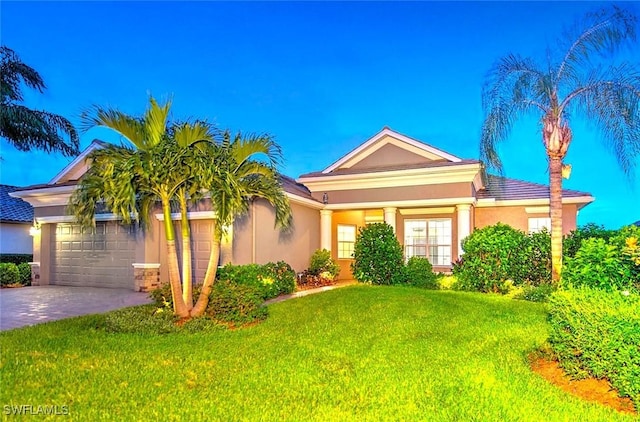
{"points": [[24, 306], [310, 292]]}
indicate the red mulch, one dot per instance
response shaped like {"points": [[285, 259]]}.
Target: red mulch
{"points": [[590, 389]]}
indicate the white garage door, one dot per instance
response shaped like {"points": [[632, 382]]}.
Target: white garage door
{"points": [[99, 257]]}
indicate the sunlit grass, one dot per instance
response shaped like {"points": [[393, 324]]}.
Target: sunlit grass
{"points": [[357, 353]]}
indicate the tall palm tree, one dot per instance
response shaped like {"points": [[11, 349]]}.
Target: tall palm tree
{"points": [[582, 80], [244, 169], [21, 126], [178, 162], [128, 180]]}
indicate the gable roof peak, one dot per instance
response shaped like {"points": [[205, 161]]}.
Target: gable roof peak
{"points": [[410, 143]]}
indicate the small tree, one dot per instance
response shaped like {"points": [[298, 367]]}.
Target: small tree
{"points": [[378, 256]]}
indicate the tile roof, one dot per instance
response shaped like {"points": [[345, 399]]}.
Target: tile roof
{"points": [[291, 186], [14, 210], [438, 163], [504, 189]]}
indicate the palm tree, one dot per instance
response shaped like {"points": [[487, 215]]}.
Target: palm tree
{"points": [[23, 127], [245, 169], [129, 180], [177, 162], [579, 81]]}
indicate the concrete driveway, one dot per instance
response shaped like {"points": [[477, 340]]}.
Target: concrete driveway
{"points": [[24, 306]]}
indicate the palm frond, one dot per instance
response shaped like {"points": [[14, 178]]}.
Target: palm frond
{"points": [[130, 128], [600, 34], [12, 72], [514, 86], [155, 122], [612, 100], [26, 129]]}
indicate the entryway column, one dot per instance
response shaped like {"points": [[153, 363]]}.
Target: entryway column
{"points": [[390, 217], [464, 224], [325, 229]]}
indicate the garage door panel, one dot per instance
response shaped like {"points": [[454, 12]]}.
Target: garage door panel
{"points": [[98, 257]]}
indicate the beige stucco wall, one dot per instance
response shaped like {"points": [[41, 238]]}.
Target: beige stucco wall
{"points": [[518, 218], [390, 155], [404, 193], [271, 244]]}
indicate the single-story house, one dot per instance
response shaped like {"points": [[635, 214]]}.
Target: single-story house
{"points": [[16, 219], [431, 198]]}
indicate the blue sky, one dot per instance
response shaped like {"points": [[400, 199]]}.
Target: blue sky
{"points": [[321, 77]]}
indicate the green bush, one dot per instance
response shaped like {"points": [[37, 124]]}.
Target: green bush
{"points": [[16, 258], [162, 295], [419, 273], [540, 293], [272, 279], [148, 319], [25, 273], [237, 304], [573, 240], [321, 262], [378, 257], [538, 266], [597, 333], [599, 265], [492, 255], [9, 273]]}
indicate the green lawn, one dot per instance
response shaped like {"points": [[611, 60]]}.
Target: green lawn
{"points": [[357, 353]]}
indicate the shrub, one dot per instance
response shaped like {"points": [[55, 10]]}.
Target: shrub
{"points": [[25, 273], [147, 319], [539, 293], [573, 240], [9, 273], [597, 333], [237, 304], [600, 265], [272, 279], [492, 255], [322, 262], [419, 273], [143, 319], [538, 267], [162, 296], [378, 257], [16, 258]]}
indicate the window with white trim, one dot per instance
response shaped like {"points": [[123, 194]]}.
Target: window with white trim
{"points": [[346, 240], [536, 224], [429, 239]]}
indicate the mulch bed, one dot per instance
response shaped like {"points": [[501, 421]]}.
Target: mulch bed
{"points": [[590, 389]]}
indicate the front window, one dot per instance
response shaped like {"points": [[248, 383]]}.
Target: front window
{"points": [[429, 239], [537, 224], [346, 240]]}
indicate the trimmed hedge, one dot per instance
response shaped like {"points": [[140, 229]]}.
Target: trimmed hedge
{"points": [[12, 274], [16, 258], [597, 333]]}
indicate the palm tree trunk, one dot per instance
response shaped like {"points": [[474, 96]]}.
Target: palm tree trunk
{"points": [[187, 282], [179, 307], [555, 209], [209, 277]]}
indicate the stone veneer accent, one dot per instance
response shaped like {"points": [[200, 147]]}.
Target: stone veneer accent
{"points": [[35, 273], [146, 277]]}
